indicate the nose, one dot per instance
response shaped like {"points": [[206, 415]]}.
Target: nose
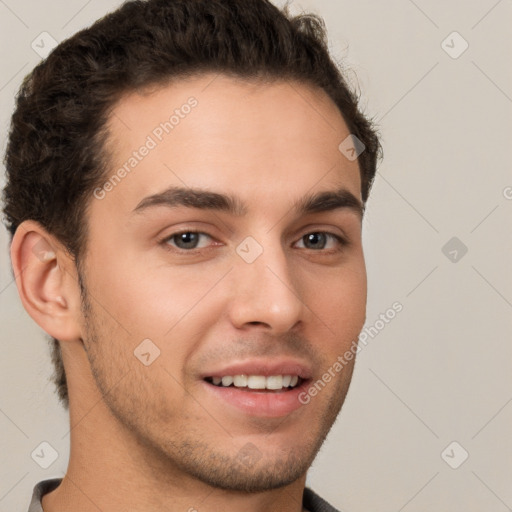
{"points": [[266, 293]]}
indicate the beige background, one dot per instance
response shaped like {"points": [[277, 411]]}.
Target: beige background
{"points": [[440, 371]]}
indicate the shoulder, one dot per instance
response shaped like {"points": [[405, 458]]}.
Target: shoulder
{"points": [[42, 488], [313, 503]]}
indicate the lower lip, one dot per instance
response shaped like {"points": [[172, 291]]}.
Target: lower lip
{"points": [[260, 403]]}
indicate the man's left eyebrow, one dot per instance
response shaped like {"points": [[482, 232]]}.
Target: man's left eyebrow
{"points": [[330, 200]]}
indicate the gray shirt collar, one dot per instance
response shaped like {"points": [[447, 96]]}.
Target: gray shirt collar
{"points": [[312, 502]]}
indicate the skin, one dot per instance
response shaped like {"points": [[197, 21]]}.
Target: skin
{"points": [[269, 145]]}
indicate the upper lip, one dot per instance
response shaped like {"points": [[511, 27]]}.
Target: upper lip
{"points": [[263, 367]]}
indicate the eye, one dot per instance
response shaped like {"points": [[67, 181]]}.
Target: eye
{"points": [[190, 240], [187, 240], [319, 240]]}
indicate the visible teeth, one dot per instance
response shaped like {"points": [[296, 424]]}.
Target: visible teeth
{"points": [[272, 382], [256, 382], [227, 381], [240, 381]]}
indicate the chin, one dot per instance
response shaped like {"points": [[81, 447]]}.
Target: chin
{"points": [[242, 475]]}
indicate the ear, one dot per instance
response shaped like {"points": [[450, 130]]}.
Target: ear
{"points": [[47, 281]]}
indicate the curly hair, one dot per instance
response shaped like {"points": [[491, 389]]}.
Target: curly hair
{"points": [[55, 155]]}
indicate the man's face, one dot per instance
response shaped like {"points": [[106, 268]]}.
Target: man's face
{"points": [[264, 290]]}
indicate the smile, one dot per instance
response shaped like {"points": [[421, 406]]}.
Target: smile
{"points": [[270, 383]]}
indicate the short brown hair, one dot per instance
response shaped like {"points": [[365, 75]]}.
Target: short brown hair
{"points": [[55, 157]]}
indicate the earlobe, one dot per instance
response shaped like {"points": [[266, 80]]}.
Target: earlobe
{"points": [[46, 279]]}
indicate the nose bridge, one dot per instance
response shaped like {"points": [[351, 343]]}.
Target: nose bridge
{"points": [[265, 289]]}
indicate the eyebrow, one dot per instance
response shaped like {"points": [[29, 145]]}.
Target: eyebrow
{"points": [[174, 197]]}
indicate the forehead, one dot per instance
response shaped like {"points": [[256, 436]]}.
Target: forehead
{"points": [[250, 138]]}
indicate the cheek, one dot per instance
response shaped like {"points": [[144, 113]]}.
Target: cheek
{"points": [[341, 304], [150, 301]]}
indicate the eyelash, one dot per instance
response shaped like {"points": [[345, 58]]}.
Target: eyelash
{"points": [[164, 242]]}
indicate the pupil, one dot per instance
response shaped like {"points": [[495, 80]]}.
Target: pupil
{"points": [[316, 239], [187, 240]]}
